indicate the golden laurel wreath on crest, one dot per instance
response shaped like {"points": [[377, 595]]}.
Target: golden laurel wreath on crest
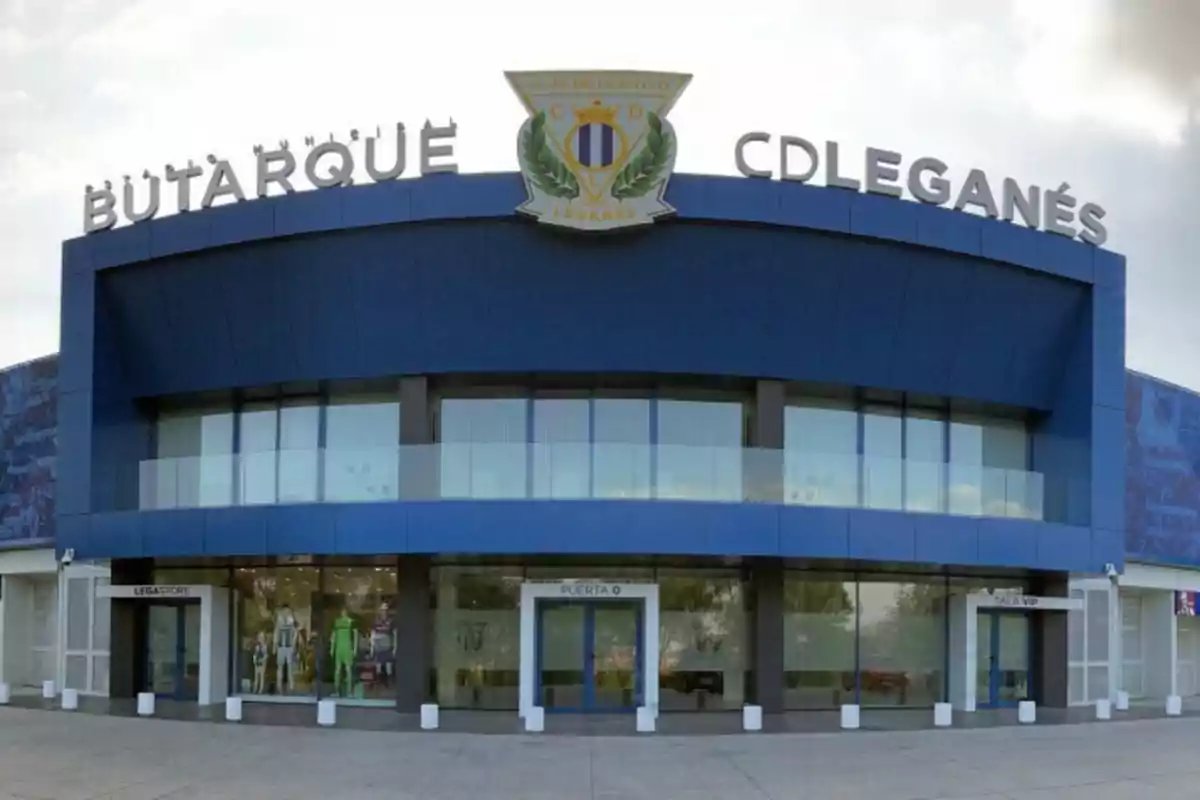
{"points": [[640, 175]]}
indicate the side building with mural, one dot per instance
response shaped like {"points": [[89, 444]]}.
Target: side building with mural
{"points": [[43, 638]]}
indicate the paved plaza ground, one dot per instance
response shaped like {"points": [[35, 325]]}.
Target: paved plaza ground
{"points": [[53, 754]]}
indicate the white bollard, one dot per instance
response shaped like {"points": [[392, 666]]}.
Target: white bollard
{"points": [[943, 715], [233, 709], [70, 700], [48, 690], [645, 719], [1027, 712], [5, 694], [850, 718], [429, 717], [145, 707], [326, 713], [1122, 701], [1174, 705], [752, 718], [1103, 709], [535, 720]]}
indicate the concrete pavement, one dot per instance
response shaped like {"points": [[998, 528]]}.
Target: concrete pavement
{"points": [[73, 756]]}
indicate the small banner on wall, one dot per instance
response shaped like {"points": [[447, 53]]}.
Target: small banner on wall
{"points": [[1185, 604]]}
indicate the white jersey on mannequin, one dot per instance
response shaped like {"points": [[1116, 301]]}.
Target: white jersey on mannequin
{"points": [[285, 648]]}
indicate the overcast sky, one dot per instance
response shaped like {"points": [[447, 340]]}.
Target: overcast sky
{"points": [[1092, 92]]}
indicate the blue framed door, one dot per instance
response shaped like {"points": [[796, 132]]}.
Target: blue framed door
{"points": [[589, 656], [1004, 663], [173, 650]]}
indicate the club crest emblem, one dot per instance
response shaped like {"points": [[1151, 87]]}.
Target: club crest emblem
{"points": [[597, 150]]}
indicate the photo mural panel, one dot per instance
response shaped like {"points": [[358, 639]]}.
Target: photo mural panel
{"points": [[29, 444], [1162, 480]]}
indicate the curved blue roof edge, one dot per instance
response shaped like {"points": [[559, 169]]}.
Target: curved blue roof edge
{"points": [[695, 197]]}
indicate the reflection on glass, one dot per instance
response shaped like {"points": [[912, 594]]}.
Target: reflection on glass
{"points": [[484, 448], [1012, 659], [561, 453], [361, 456], [615, 655], [821, 453], [299, 432], [195, 469], [621, 451], [699, 450], [818, 649], [902, 642], [883, 443], [561, 659], [984, 660], [257, 443], [924, 461], [162, 636], [987, 473], [275, 651], [477, 643], [702, 640], [359, 648]]}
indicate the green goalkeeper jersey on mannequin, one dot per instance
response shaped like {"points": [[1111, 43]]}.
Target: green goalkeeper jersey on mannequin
{"points": [[342, 647]]}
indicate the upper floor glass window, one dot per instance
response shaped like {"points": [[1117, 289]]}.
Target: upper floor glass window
{"points": [[914, 458], [195, 466], [820, 439], [361, 458], [277, 445], [484, 453]]}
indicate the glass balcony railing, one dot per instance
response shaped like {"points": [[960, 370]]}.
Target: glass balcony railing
{"points": [[569, 471]]}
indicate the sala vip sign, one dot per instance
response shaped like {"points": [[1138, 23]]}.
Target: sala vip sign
{"points": [[597, 150]]}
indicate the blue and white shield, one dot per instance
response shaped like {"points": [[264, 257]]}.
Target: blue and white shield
{"points": [[594, 145]]}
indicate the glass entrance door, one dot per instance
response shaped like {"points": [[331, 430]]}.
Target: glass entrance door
{"points": [[1002, 657], [589, 656], [173, 650]]}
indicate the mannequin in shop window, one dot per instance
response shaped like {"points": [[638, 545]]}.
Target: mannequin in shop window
{"points": [[285, 649], [343, 645], [259, 658], [383, 645]]}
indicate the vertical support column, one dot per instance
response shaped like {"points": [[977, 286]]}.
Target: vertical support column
{"points": [[418, 464], [413, 649], [763, 464], [127, 634], [766, 585], [1049, 646]]}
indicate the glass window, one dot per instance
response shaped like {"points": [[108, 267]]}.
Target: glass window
{"points": [[78, 597], [194, 466], [1097, 627], [966, 466], [276, 651], [699, 450], [703, 661], [77, 672], [258, 441], [100, 674], [902, 642], [484, 447], [299, 436], [883, 442], [362, 436], [101, 626], [924, 457], [621, 452], [818, 646], [477, 641], [821, 453], [359, 627], [561, 452]]}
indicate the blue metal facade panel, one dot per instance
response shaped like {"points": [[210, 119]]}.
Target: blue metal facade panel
{"points": [[756, 279], [29, 416]]}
